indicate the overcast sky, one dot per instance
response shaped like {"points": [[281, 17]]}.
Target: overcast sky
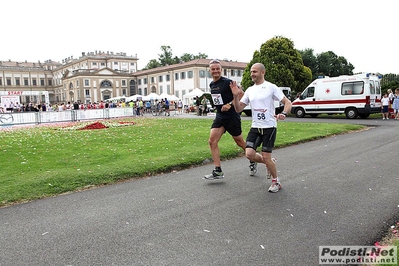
{"points": [[364, 32]]}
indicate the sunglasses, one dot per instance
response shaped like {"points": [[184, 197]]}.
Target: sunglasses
{"points": [[214, 61]]}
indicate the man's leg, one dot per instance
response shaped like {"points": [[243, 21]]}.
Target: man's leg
{"points": [[214, 137]]}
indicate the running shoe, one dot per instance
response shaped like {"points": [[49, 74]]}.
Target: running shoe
{"points": [[214, 175], [268, 174], [275, 186], [253, 168]]}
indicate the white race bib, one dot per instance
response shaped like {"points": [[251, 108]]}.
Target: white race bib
{"points": [[217, 99]]}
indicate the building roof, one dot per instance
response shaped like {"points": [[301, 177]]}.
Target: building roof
{"points": [[25, 64], [196, 62]]}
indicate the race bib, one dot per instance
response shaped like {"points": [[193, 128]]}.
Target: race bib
{"points": [[260, 114], [217, 99]]}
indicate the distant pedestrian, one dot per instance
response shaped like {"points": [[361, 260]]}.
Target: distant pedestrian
{"points": [[395, 104], [385, 106]]}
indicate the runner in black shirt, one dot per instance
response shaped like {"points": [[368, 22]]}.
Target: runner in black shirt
{"points": [[227, 119]]}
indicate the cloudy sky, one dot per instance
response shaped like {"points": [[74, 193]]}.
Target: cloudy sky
{"points": [[364, 32]]}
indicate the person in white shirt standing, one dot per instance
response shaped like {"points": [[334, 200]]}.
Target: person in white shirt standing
{"points": [[264, 120]]}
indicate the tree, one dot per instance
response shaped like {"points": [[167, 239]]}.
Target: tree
{"points": [[329, 64], [326, 64], [167, 58], [389, 81], [283, 63], [186, 57], [152, 64], [310, 60]]}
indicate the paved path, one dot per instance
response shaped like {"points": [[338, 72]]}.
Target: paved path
{"points": [[341, 190]]}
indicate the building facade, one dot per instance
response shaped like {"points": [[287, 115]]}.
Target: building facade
{"points": [[98, 76]]}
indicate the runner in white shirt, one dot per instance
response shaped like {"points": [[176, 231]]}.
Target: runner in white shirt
{"points": [[264, 120]]}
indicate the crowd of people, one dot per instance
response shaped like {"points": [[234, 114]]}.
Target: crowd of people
{"points": [[390, 102], [140, 106]]}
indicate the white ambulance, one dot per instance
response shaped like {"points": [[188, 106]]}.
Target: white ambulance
{"points": [[355, 95]]}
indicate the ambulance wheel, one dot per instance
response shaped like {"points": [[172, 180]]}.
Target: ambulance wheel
{"points": [[299, 112], [351, 113]]}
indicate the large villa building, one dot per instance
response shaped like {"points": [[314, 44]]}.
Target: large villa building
{"points": [[98, 76]]}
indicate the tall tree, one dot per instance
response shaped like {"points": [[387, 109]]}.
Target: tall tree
{"points": [[283, 63], [152, 64], [329, 64], [310, 60], [166, 58], [186, 57]]}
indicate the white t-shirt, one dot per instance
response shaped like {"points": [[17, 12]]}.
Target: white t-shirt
{"points": [[385, 101], [262, 97]]}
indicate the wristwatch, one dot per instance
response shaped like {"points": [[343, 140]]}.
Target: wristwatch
{"points": [[284, 113]]}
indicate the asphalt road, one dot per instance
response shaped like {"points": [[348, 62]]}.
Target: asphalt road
{"points": [[341, 190]]}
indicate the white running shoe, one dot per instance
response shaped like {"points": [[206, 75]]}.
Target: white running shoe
{"points": [[275, 186], [214, 175], [253, 168], [268, 174]]}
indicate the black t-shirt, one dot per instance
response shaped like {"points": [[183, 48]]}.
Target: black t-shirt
{"points": [[221, 94]]}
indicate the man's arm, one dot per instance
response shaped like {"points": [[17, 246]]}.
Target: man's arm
{"points": [[237, 93], [287, 105], [287, 109]]}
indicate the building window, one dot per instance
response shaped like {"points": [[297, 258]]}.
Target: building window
{"points": [[167, 77], [139, 81], [102, 64], [132, 64], [8, 81], [202, 73], [87, 82], [190, 74], [183, 75], [94, 63], [34, 82], [160, 78], [160, 89], [41, 82], [124, 84], [50, 82], [152, 79], [225, 72], [105, 84], [124, 92], [1, 81], [168, 89], [115, 63], [87, 93], [145, 80], [176, 76], [232, 73], [239, 72], [17, 82]]}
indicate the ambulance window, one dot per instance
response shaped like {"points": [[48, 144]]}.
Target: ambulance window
{"points": [[352, 88], [372, 87], [308, 92], [311, 92], [377, 87]]}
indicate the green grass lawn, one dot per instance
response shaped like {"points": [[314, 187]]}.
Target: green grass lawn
{"points": [[44, 161]]}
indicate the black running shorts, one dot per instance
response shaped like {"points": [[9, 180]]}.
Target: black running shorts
{"points": [[231, 124], [267, 135]]}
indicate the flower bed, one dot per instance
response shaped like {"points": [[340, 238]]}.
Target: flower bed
{"points": [[97, 125]]}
